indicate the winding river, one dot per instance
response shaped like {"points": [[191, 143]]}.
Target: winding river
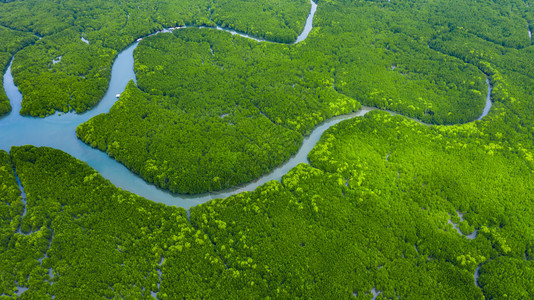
{"points": [[59, 131]]}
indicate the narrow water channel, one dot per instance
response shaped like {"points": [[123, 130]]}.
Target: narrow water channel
{"points": [[59, 132], [23, 196], [487, 107]]}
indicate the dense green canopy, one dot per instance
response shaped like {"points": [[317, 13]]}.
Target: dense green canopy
{"points": [[386, 204], [81, 72], [377, 200], [12, 41]]}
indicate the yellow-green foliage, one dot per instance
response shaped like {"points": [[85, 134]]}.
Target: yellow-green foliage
{"points": [[372, 209]]}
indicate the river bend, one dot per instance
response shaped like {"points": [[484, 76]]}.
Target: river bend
{"points": [[59, 131]]}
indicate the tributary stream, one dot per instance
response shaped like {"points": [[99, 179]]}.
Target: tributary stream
{"points": [[59, 131]]}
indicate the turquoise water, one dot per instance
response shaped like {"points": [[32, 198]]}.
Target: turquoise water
{"points": [[59, 131]]}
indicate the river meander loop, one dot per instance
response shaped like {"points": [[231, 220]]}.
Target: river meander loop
{"points": [[59, 131]]}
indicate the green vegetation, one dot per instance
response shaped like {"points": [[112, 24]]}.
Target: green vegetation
{"points": [[205, 124], [211, 110], [507, 277], [195, 153], [503, 23], [511, 74], [20, 251], [384, 61], [368, 34], [115, 24], [375, 201], [69, 74], [12, 41], [200, 83], [106, 242], [278, 21], [81, 72]]}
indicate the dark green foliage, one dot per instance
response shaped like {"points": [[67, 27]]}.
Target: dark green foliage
{"points": [[313, 235], [380, 209], [115, 24], [373, 36], [69, 74], [272, 20], [210, 121], [9, 190], [511, 72], [106, 242], [382, 66], [205, 74], [12, 41], [436, 160], [371, 211], [306, 238], [189, 153], [80, 79], [507, 277], [19, 252], [498, 22], [375, 203]]}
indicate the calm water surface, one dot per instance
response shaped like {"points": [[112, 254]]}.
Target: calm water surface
{"points": [[59, 131]]}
